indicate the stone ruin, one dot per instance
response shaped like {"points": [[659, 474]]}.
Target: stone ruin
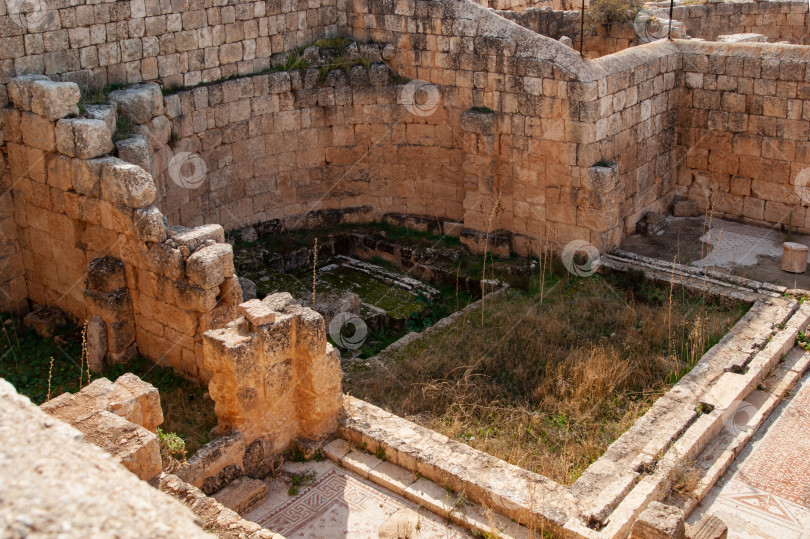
{"points": [[464, 119]]}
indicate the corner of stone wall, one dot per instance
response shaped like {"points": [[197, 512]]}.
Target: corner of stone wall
{"points": [[274, 376], [83, 215]]}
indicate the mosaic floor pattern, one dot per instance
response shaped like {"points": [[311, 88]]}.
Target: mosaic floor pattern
{"points": [[341, 504], [766, 492], [736, 244]]}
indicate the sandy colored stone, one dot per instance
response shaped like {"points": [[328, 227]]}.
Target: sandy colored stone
{"points": [[659, 521], [54, 100], [196, 237], [83, 138], [794, 257], [53, 480], [126, 184], [140, 103], [257, 313], [242, 495], [96, 336], [209, 266], [135, 150]]}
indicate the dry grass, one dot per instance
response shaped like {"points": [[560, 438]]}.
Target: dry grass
{"points": [[549, 385]]}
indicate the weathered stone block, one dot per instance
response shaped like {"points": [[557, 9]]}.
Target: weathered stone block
{"points": [[193, 298], [650, 224], [96, 337], [20, 91], [120, 336], [86, 139], [242, 495], [106, 274], [196, 237], [54, 100], [126, 184], [213, 457], [45, 321], [257, 313], [166, 260], [140, 103], [659, 521], [135, 150], [209, 266], [113, 306], [149, 226], [132, 445], [794, 257], [137, 401], [685, 208], [106, 113]]}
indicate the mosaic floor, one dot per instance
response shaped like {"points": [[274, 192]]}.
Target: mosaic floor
{"points": [[736, 244], [766, 492], [339, 503]]}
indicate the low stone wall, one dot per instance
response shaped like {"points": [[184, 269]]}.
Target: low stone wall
{"points": [[93, 243]]}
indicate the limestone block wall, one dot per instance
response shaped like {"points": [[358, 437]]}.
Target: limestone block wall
{"points": [[635, 127], [532, 84], [744, 135], [13, 290], [780, 20], [275, 377], [556, 24], [283, 145], [76, 208], [176, 43]]}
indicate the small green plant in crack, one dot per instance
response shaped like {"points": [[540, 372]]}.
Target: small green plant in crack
{"points": [[301, 480], [295, 454], [602, 163], [380, 453], [803, 340], [124, 128], [172, 446], [338, 43]]}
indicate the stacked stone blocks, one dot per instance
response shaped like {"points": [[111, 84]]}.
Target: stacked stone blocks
{"points": [[275, 377], [93, 215]]}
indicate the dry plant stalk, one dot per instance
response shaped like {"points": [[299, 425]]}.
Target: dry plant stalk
{"points": [[495, 210], [50, 375], [84, 357], [314, 266]]}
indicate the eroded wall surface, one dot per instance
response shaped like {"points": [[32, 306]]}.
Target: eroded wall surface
{"points": [[743, 131]]}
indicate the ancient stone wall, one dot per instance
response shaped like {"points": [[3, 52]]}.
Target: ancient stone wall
{"points": [[635, 121], [744, 137], [13, 291], [283, 145], [175, 43], [784, 20], [557, 24], [93, 243], [275, 377]]}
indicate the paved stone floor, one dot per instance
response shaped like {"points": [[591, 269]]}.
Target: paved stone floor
{"points": [[339, 503], [750, 251], [766, 492]]}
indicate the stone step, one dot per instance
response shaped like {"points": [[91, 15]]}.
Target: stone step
{"points": [[242, 494]]}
